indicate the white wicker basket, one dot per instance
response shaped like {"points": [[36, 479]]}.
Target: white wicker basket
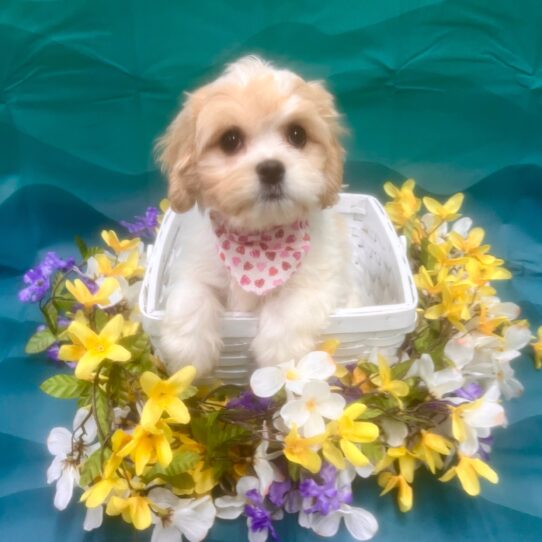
{"points": [[387, 314]]}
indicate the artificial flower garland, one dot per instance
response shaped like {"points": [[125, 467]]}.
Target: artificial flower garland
{"points": [[164, 453]]}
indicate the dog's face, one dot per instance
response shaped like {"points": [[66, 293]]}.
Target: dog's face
{"points": [[258, 145]]}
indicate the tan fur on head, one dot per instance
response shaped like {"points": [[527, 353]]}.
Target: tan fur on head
{"points": [[175, 153], [262, 103]]}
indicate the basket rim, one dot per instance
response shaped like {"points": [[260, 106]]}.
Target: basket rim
{"points": [[398, 315]]}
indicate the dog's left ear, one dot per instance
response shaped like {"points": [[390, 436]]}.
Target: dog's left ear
{"points": [[175, 152], [334, 167]]}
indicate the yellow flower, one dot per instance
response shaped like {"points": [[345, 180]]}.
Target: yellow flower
{"points": [[405, 458], [490, 268], [430, 448], [164, 205], [130, 328], [537, 347], [112, 241], [135, 509], [350, 433], [301, 450], [149, 446], [389, 481], [441, 253], [486, 324], [96, 494], [446, 211], [458, 413], [470, 245], [404, 205], [429, 285], [128, 268], [454, 304], [163, 396], [83, 295], [384, 383], [89, 349], [204, 478], [468, 470]]}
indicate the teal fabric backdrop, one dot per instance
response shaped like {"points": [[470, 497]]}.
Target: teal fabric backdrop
{"points": [[446, 91]]}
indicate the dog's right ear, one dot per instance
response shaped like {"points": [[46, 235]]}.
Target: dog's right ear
{"points": [[175, 152]]}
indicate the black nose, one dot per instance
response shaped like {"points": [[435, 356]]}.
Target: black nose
{"points": [[270, 171]]}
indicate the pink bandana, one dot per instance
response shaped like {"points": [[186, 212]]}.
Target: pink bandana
{"points": [[261, 261]]}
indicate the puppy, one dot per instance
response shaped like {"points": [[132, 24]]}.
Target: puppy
{"points": [[258, 151]]}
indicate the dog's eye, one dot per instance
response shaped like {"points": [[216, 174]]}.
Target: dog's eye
{"points": [[231, 141], [296, 135]]}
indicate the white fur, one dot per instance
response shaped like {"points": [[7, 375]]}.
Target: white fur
{"points": [[292, 316]]}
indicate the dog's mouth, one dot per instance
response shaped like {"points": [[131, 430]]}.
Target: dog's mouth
{"points": [[273, 193]]}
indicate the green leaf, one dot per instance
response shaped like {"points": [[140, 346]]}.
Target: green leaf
{"points": [[371, 413], [222, 392], [199, 429], [399, 370], [100, 319], [85, 399], [51, 315], [39, 342], [374, 451], [92, 467], [65, 303], [82, 246], [102, 413], [137, 344], [55, 283], [190, 391], [181, 462], [64, 387], [293, 471], [181, 481]]}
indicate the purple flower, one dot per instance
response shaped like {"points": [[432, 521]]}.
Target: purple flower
{"points": [[259, 518], [37, 286], [37, 278], [470, 391], [52, 352], [248, 401], [90, 284], [52, 263], [326, 496], [143, 226], [278, 491]]}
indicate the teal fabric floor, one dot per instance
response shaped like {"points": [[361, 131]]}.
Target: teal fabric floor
{"points": [[448, 92]]}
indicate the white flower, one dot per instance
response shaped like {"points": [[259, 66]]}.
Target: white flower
{"points": [[489, 356], [435, 226], [361, 524], [308, 412], [267, 381], [438, 382], [266, 471], [462, 226], [229, 507], [495, 309], [69, 449], [93, 518], [486, 413], [232, 507], [395, 433], [191, 518]]}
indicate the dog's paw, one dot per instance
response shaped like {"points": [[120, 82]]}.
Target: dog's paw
{"points": [[272, 349], [179, 350]]}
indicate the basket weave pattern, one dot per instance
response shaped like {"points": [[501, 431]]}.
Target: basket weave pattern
{"points": [[382, 271]]}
